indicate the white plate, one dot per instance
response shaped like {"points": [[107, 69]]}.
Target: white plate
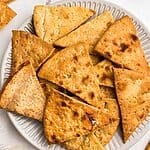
{"points": [[31, 129]]}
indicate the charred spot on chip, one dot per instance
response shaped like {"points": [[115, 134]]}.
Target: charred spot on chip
{"points": [[75, 58], [106, 105], [141, 116], [122, 86], [74, 69], [85, 79], [66, 16], [63, 104], [115, 43], [91, 95], [75, 114], [138, 64], [54, 137], [104, 76], [123, 47], [107, 68], [51, 122], [134, 37], [88, 64], [57, 75], [97, 75], [83, 117], [108, 54], [112, 120], [105, 40], [78, 91], [108, 24], [60, 82], [78, 135]]}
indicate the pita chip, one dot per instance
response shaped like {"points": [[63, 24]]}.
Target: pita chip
{"points": [[23, 94], [133, 93], [53, 22], [103, 133], [28, 47], [72, 69], [88, 33], [75, 117], [6, 14], [121, 45]]}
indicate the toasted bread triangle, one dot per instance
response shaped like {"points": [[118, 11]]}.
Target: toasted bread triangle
{"points": [[53, 22], [72, 69], [26, 46], [133, 93], [66, 118], [103, 133], [6, 14], [121, 45], [23, 94], [89, 33]]}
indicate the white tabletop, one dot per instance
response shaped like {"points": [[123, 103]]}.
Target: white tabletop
{"points": [[10, 139]]}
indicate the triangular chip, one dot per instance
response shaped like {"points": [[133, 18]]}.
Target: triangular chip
{"points": [[6, 14], [104, 72], [26, 46], [89, 33], [66, 118], [103, 134], [53, 22], [121, 45], [133, 93], [23, 94], [72, 69]]}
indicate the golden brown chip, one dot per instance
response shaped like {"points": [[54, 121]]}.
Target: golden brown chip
{"points": [[88, 33], [133, 93], [121, 45], [103, 133], [23, 94], [26, 46], [66, 118], [6, 14], [72, 69], [53, 22]]}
